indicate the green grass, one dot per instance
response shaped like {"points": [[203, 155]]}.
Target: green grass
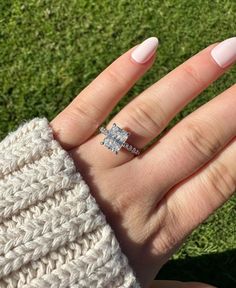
{"points": [[50, 50]]}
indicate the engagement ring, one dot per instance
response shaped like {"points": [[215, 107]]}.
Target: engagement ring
{"points": [[116, 139]]}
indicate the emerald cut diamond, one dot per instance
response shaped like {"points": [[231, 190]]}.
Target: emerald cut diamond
{"points": [[115, 138]]}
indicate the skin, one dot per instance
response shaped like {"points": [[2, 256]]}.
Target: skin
{"points": [[154, 201]]}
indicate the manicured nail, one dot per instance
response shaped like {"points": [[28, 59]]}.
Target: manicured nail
{"points": [[145, 50], [225, 52]]}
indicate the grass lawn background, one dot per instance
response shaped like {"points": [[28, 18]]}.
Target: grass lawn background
{"points": [[50, 50]]}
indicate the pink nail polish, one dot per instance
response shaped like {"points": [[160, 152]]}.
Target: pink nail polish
{"points": [[225, 52], [145, 50]]}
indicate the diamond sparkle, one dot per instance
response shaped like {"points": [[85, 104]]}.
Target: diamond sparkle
{"points": [[115, 138]]}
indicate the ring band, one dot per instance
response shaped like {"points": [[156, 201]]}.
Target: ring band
{"points": [[116, 139]]}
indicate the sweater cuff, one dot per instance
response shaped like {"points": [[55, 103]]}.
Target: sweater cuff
{"points": [[52, 231]]}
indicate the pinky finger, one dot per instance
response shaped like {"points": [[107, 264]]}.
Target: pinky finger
{"points": [[193, 200]]}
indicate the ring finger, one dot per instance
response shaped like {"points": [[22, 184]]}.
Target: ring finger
{"points": [[80, 119]]}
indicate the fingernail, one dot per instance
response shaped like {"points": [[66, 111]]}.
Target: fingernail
{"points": [[225, 52], [145, 50]]}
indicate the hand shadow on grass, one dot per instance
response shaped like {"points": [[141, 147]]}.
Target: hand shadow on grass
{"points": [[216, 269]]}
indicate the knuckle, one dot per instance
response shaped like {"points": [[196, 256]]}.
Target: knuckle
{"points": [[193, 75], [169, 241], [149, 116], [218, 177], [86, 111], [201, 139], [125, 202], [165, 242], [117, 78], [122, 203], [165, 238]]}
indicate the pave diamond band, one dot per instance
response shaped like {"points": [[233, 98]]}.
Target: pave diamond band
{"points": [[116, 139]]}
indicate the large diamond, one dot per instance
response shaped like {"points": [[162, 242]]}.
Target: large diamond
{"points": [[115, 138]]}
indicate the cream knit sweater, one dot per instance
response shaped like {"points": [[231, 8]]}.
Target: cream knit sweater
{"points": [[52, 231]]}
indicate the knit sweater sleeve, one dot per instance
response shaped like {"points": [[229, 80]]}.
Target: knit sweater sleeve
{"points": [[52, 231]]}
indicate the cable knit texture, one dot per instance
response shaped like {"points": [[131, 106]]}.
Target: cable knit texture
{"points": [[52, 231]]}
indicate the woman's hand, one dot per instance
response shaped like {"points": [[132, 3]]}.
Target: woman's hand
{"points": [[153, 201]]}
